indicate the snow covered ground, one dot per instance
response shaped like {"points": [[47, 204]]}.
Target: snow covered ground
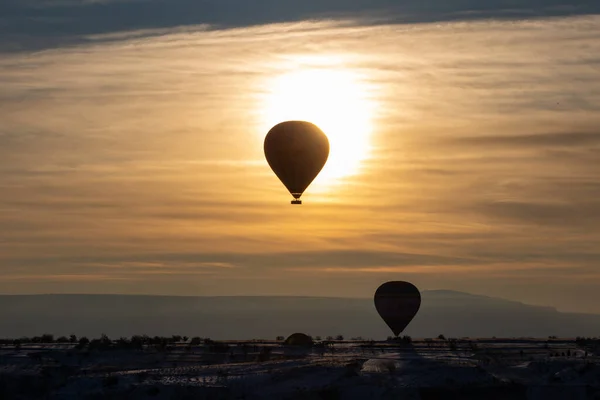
{"points": [[432, 369]]}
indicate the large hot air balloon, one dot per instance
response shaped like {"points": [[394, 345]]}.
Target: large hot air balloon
{"points": [[296, 151], [397, 303]]}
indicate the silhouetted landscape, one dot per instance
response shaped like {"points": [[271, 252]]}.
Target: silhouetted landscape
{"points": [[299, 367], [450, 313]]}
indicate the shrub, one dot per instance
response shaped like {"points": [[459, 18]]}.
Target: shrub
{"points": [[47, 338], [196, 341]]}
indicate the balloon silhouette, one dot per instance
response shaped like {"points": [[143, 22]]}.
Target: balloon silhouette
{"points": [[296, 152], [397, 303]]}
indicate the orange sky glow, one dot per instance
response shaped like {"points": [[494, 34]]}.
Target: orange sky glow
{"points": [[463, 156]]}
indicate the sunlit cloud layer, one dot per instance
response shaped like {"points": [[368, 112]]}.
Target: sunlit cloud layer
{"points": [[136, 165]]}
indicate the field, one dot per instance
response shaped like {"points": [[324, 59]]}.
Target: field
{"points": [[260, 369]]}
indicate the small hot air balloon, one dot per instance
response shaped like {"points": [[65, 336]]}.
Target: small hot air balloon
{"points": [[296, 151], [397, 303]]}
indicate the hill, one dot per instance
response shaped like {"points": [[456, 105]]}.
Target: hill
{"points": [[451, 313]]}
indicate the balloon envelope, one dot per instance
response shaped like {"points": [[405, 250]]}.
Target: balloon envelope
{"points": [[397, 303], [296, 151]]}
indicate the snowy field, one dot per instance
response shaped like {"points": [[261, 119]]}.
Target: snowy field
{"points": [[425, 369]]}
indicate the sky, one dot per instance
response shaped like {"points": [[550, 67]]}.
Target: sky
{"points": [[464, 139]]}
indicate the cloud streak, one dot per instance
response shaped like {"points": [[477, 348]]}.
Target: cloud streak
{"points": [[39, 24]]}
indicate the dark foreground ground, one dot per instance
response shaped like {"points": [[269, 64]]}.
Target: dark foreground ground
{"points": [[426, 369]]}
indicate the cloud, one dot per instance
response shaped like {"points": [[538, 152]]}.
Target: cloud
{"points": [[42, 24], [582, 214], [537, 141]]}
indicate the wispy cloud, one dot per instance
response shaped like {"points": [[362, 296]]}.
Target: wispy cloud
{"points": [[42, 24]]}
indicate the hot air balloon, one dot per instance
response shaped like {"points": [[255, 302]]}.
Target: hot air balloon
{"points": [[296, 151], [397, 303]]}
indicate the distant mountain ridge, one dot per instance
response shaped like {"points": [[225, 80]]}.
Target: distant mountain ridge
{"points": [[454, 314]]}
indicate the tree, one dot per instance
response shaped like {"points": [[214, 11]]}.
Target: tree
{"points": [[339, 337], [123, 343], [137, 342], [176, 338], [83, 341], [47, 338], [73, 338], [196, 341], [442, 337], [105, 340]]}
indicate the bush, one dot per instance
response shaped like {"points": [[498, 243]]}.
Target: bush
{"points": [[47, 338], [196, 341], [137, 342], [105, 340], [83, 341]]}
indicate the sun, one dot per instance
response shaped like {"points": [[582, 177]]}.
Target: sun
{"points": [[337, 101]]}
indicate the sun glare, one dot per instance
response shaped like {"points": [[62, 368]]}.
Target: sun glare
{"points": [[336, 100]]}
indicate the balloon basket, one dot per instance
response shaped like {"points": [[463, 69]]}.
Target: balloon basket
{"points": [[296, 201]]}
